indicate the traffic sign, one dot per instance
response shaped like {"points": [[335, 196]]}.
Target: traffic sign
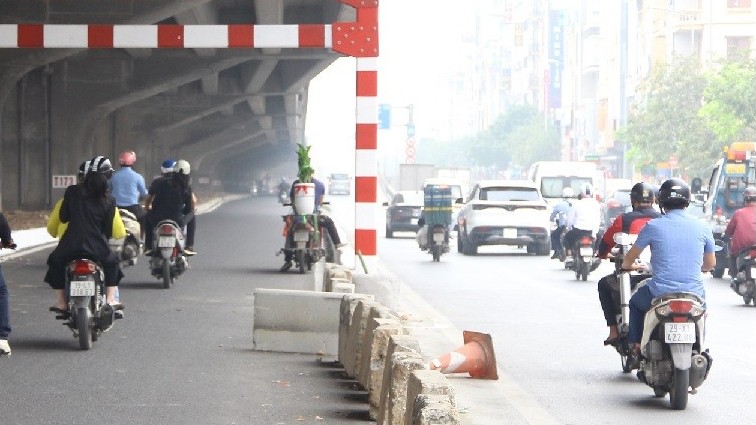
{"points": [[384, 116], [410, 130], [410, 151], [411, 141]]}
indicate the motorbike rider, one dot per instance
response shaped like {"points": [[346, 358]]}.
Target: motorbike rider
{"points": [[173, 200], [166, 170], [585, 218], [681, 248], [128, 187], [642, 200], [91, 213], [6, 241], [742, 228], [561, 212], [283, 189], [326, 221], [54, 226]]}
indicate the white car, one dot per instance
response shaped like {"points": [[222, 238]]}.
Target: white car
{"points": [[504, 212]]}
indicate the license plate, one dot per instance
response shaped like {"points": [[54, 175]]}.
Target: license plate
{"points": [[301, 236], [413, 221], [82, 288], [166, 241], [679, 333], [509, 233], [586, 252], [438, 237]]}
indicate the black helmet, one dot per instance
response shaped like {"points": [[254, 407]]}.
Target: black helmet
{"points": [[674, 194], [642, 192], [749, 194]]}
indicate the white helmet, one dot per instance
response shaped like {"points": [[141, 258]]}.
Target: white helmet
{"points": [[182, 167], [567, 192]]}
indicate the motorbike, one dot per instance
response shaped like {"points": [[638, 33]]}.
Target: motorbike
{"points": [[584, 258], [131, 247], [621, 292], [438, 241], [308, 241], [743, 283], [672, 356], [89, 315], [168, 261], [284, 197]]}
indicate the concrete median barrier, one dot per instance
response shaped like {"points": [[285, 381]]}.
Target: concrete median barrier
{"points": [[346, 313], [354, 339], [432, 409], [378, 351], [385, 287], [377, 311], [296, 321], [429, 382], [394, 382]]}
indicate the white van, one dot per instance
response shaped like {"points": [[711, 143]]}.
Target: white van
{"points": [[552, 176]]}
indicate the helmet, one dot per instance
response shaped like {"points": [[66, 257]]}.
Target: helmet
{"points": [[100, 164], [83, 168], [567, 192], [167, 166], [182, 167], [674, 193], [127, 158], [586, 190], [749, 194], [642, 192]]}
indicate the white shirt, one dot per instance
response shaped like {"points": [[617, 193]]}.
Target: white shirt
{"points": [[586, 214]]}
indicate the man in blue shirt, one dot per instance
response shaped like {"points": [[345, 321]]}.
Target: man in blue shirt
{"points": [[128, 187], [681, 248], [560, 213]]}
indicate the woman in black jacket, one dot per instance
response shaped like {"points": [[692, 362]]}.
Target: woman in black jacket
{"points": [[90, 212]]}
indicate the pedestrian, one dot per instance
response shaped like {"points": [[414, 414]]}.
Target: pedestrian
{"points": [[6, 241]]}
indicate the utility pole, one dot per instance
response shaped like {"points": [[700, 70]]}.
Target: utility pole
{"points": [[623, 82]]}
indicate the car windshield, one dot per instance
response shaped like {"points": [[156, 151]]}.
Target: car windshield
{"points": [[410, 198], [339, 176], [508, 194], [551, 187], [622, 196]]}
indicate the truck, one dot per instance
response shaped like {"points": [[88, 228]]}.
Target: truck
{"points": [[412, 176], [732, 173]]}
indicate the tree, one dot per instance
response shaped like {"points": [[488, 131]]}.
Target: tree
{"points": [[666, 120], [729, 108]]}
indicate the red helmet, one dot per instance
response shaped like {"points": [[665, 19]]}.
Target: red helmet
{"points": [[127, 158]]}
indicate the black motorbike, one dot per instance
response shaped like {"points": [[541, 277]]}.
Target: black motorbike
{"points": [[168, 261], [307, 241], [584, 258], [743, 283], [438, 241], [89, 314]]}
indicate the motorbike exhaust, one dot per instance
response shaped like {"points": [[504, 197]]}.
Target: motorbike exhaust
{"points": [[698, 370]]}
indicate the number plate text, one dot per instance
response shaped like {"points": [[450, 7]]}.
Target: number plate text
{"points": [[679, 333], [82, 288]]}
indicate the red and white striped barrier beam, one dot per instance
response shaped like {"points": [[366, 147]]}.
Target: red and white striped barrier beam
{"points": [[357, 39]]}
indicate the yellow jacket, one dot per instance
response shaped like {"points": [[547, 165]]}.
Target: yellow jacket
{"points": [[56, 229]]}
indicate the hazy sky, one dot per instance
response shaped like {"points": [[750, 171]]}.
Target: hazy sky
{"points": [[416, 39]]}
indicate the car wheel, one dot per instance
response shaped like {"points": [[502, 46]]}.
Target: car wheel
{"points": [[459, 243], [469, 248], [389, 232], [543, 248]]}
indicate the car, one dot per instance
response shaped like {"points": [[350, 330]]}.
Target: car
{"points": [[403, 212], [617, 203], [339, 183], [504, 212]]}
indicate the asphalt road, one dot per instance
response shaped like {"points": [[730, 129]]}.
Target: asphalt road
{"points": [[180, 356]]}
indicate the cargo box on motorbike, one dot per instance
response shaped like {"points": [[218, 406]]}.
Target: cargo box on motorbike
{"points": [[438, 204]]}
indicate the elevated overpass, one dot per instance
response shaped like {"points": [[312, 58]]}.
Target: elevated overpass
{"points": [[66, 94]]}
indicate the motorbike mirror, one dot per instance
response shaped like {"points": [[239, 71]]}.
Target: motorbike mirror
{"points": [[385, 204]]}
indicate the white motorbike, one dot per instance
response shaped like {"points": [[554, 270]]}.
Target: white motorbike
{"points": [[168, 260], [131, 247]]}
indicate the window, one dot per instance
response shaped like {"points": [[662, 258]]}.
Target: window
{"points": [[551, 187], [738, 47], [738, 3]]}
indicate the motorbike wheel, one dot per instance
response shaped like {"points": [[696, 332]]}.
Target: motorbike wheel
{"points": [[83, 328], [584, 272], [301, 261], [459, 243], [746, 299], [436, 251], [718, 273], [678, 394], [167, 281]]}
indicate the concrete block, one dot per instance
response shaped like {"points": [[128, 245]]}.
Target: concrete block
{"points": [[342, 286], [335, 271], [363, 367], [294, 321], [427, 382], [432, 409], [404, 364], [356, 333], [346, 312], [378, 352], [385, 287], [317, 272], [398, 344]]}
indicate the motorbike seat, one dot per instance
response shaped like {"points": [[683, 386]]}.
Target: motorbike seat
{"points": [[676, 295]]}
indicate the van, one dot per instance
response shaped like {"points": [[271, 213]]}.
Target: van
{"points": [[552, 176]]}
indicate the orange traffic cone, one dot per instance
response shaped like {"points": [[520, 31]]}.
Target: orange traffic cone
{"points": [[476, 357]]}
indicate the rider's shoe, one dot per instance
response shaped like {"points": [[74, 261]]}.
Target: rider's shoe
{"points": [[4, 347], [554, 255], [287, 265], [341, 245], [189, 251], [148, 253]]}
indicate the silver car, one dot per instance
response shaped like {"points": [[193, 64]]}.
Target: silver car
{"points": [[504, 212]]}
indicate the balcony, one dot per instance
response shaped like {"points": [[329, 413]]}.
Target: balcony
{"points": [[686, 20]]}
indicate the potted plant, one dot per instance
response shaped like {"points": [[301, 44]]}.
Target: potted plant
{"points": [[304, 189]]}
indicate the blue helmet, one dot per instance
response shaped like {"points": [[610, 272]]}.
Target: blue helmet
{"points": [[167, 166]]}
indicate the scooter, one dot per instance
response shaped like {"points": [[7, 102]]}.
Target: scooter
{"points": [[131, 247], [438, 241], [168, 261], [672, 356], [584, 260], [89, 315], [743, 283]]}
